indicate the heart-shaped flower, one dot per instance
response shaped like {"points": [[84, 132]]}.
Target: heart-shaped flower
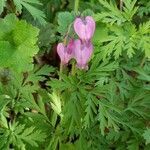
{"points": [[84, 28], [65, 52], [82, 53]]}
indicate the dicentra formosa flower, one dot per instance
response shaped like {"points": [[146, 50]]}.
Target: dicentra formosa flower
{"points": [[82, 53], [65, 52], [84, 28]]}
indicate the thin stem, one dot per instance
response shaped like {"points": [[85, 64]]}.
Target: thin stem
{"points": [[67, 34], [76, 6], [38, 60], [143, 61], [60, 70], [73, 69], [121, 4]]}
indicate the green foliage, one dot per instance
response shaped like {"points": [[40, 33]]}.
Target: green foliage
{"points": [[146, 136], [113, 15], [144, 9], [123, 34], [65, 21], [2, 5], [16, 95], [30, 6], [47, 36], [56, 103], [90, 110], [103, 108], [17, 135], [17, 44]]}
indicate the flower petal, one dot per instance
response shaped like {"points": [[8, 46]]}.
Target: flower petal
{"points": [[70, 47], [83, 52], [84, 28], [79, 28], [90, 27], [61, 50], [63, 53]]}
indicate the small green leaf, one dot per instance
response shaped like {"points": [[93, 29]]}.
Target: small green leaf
{"points": [[65, 20], [146, 135]]}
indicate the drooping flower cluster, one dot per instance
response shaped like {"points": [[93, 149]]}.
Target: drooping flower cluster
{"points": [[80, 49]]}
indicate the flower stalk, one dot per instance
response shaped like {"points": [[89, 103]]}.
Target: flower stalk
{"points": [[76, 6]]}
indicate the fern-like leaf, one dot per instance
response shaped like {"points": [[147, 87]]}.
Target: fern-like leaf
{"points": [[29, 5]]}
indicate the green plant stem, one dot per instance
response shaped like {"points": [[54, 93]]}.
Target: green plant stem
{"points": [[60, 70], [73, 69], [67, 34], [142, 62], [76, 6], [121, 5]]}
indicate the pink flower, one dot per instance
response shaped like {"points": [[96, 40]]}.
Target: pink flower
{"points": [[84, 28], [82, 53], [70, 47], [65, 52]]}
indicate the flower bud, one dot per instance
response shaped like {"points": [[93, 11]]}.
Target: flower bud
{"points": [[82, 53], [84, 28]]}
